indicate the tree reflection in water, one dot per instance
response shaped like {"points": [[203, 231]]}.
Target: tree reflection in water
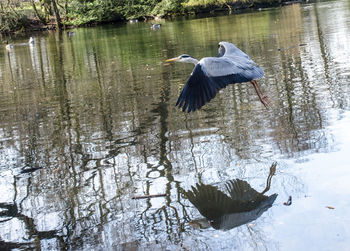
{"points": [[242, 204]]}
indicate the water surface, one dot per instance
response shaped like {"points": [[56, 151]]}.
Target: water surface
{"points": [[88, 121]]}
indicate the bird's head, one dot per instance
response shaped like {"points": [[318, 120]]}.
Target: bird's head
{"points": [[184, 58]]}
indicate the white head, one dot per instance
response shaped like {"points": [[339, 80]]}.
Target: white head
{"points": [[31, 40], [184, 58]]}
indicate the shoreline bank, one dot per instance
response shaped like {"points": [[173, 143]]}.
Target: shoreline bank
{"points": [[34, 24]]}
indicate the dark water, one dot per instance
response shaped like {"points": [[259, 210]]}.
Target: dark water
{"points": [[88, 121]]}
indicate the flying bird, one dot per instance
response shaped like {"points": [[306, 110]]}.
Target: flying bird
{"points": [[211, 74]]}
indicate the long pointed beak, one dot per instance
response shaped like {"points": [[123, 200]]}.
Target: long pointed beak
{"points": [[172, 59]]}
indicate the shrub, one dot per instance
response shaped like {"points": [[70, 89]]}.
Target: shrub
{"points": [[12, 21]]}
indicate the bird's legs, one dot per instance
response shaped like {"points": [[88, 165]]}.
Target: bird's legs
{"points": [[263, 99]]}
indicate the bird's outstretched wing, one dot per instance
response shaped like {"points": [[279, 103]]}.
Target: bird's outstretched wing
{"points": [[241, 190], [209, 200], [212, 74], [230, 50]]}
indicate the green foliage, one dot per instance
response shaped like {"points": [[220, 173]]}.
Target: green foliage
{"points": [[168, 7], [97, 11], [139, 8], [79, 12], [11, 20], [88, 11], [205, 3]]}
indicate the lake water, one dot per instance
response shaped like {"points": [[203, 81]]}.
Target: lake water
{"points": [[89, 121]]}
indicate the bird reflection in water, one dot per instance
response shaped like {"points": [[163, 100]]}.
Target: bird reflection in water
{"points": [[240, 205], [9, 47]]}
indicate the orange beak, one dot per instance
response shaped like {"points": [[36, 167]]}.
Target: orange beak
{"points": [[172, 59]]}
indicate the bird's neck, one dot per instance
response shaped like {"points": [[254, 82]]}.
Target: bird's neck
{"points": [[192, 60]]}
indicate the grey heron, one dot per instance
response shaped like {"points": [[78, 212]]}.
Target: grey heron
{"points": [[211, 74]]}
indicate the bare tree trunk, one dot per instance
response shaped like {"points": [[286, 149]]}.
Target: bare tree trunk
{"points": [[66, 9], [41, 18], [57, 15], [11, 6]]}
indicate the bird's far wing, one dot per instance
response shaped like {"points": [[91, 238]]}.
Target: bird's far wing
{"points": [[209, 76], [232, 50], [241, 190], [239, 68]]}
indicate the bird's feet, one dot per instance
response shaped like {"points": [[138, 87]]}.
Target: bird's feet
{"points": [[265, 101]]}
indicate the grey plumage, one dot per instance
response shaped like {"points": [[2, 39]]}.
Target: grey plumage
{"points": [[214, 73]]}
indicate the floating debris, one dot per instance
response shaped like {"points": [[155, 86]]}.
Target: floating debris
{"points": [[290, 47]]}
